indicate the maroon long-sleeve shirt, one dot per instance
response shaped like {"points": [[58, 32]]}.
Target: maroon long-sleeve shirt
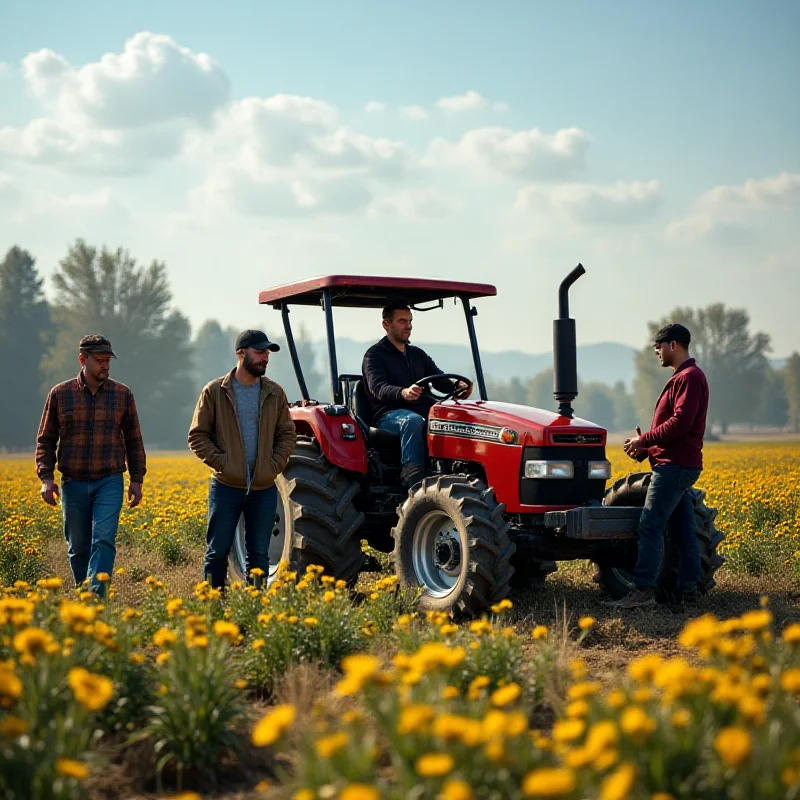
{"points": [[679, 421], [90, 436]]}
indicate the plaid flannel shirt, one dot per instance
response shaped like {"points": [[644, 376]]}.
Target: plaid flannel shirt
{"points": [[94, 433]]}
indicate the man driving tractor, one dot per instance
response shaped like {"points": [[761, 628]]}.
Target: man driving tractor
{"points": [[391, 368]]}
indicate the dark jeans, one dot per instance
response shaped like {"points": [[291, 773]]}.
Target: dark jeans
{"points": [[411, 427], [225, 505], [91, 515], [668, 505]]}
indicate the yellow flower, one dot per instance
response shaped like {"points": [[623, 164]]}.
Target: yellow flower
{"points": [[791, 633], [358, 669], [226, 630], [636, 724], [328, 745], [359, 791], [49, 583], [539, 632], [643, 669], [240, 684], [434, 765], [329, 596], [414, 718], [756, 620], [457, 790], [698, 631], [567, 730], [616, 698], [503, 605], [734, 746], [164, 637], [580, 691], [92, 691], [682, 718], [790, 681], [10, 684], [476, 686], [549, 782], [33, 641], [12, 727], [270, 728], [584, 623], [103, 577], [506, 694], [450, 693], [70, 768], [617, 785], [311, 621]]}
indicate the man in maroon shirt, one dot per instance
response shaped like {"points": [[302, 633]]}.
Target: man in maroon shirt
{"points": [[674, 445], [90, 429]]}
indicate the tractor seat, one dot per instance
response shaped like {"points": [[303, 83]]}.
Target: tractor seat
{"points": [[363, 413]]}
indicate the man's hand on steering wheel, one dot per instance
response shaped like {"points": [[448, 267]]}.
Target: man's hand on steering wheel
{"points": [[462, 387]]}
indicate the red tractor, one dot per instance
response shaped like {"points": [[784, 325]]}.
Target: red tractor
{"points": [[509, 489]]}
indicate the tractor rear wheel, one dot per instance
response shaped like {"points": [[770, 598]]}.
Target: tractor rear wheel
{"points": [[451, 540], [615, 576], [316, 521]]}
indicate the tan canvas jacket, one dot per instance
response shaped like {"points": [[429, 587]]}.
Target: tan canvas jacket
{"points": [[216, 437]]}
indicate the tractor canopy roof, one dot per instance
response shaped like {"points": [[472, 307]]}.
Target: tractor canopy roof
{"points": [[370, 291]]}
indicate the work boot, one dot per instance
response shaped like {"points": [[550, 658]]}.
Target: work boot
{"points": [[636, 598], [411, 474]]}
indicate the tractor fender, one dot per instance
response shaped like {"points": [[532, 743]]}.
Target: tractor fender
{"points": [[349, 454]]}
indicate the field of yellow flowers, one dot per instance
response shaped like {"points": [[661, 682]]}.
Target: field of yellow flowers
{"points": [[306, 690]]}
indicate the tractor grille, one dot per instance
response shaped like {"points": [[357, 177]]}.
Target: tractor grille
{"points": [[554, 492]]}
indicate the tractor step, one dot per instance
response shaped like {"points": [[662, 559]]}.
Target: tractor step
{"points": [[595, 522]]}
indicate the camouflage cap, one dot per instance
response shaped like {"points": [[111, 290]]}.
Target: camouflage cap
{"points": [[94, 344]]}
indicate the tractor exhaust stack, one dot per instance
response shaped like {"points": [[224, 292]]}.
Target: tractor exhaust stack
{"points": [[565, 350]]}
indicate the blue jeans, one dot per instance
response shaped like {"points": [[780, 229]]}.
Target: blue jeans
{"points": [[91, 515], [411, 427], [668, 505], [225, 505]]}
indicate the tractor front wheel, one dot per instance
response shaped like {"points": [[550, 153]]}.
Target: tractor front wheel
{"points": [[615, 575], [451, 540]]}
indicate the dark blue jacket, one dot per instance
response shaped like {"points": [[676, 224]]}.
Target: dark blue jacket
{"points": [[387, 372]]}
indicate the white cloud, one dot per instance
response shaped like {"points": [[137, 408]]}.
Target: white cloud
{"points": [[291, 155], [3, 67], [120, 113], [469, 101], [374, 107], [414, 204], [587, 204], [413, 112], [725, 213], [779, 190], [519, 154]]}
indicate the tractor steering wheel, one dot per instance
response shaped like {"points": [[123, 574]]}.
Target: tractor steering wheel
{"points": [[438, 396]]}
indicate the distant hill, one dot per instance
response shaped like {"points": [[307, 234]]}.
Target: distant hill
{"points": [[605, 362]]}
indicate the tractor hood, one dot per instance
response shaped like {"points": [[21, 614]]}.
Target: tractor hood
{"points": [[534, 426]]}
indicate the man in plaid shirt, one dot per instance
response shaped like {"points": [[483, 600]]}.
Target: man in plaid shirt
{"points": [[89, 426]]}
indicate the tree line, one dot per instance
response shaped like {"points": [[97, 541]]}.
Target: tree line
{"points": [[166, 363]]}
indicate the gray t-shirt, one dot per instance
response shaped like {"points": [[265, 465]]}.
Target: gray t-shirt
{"points": [[248, 409]]}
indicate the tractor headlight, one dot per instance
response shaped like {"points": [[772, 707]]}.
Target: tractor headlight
{"points": [[549, 469], [600, 469]]}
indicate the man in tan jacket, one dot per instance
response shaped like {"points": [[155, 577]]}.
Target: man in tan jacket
{"points": [[243, 431]]}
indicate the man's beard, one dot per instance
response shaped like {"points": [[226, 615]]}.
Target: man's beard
{"points": [[256, 370]]}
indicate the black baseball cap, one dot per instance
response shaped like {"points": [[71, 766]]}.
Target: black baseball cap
{"points": [[674, 332], [257, 340], [94, 344]]}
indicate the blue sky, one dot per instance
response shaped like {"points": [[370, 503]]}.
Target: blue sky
{"points": [[656, 143]]}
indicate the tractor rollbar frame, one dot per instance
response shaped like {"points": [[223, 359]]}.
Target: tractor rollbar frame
{"points": [[328, 308], [298, 370], [469, 312]]}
